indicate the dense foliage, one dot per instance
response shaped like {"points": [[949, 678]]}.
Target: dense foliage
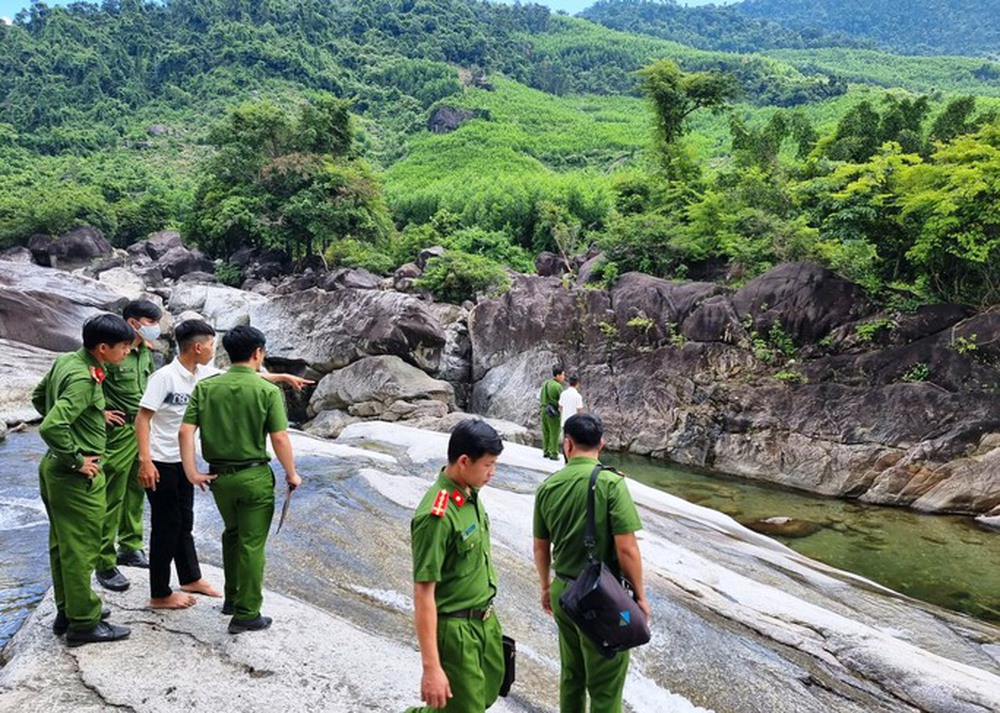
{"points": [[722, 27], [970, 27], [301, 125]]}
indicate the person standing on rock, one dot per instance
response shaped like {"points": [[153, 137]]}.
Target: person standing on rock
{"points": [[454, 582], [72, 481], [549, 397], [236, 412], [123, 388], [570, 404], [171, 496], [560, 516]]}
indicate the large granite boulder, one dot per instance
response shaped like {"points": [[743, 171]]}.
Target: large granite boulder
{"points": [[223, 307], [456, 357], [179, 261], [21, 369], [71, 250], [18, 253], [690, 373], [347, 278], [159, 244], [329, 330], [46, 308], [807, 299], [382, 385]]}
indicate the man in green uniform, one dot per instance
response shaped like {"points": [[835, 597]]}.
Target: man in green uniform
{"points": [[71, 479], [123, 390], [236, 412], [559, 523], [549, 397], [461, 643]]}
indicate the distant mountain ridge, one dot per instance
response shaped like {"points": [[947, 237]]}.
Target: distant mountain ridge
{"points": [[967, 27], [915, 27]]}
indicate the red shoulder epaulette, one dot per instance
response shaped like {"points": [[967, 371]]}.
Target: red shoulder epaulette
{"points": [[440, 504]]}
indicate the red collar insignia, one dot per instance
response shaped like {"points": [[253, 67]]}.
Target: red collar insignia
{"points": [[458, 498], [440, 504], [97, 374]]}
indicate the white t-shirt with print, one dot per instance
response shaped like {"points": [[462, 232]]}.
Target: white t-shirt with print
{"points": [[167, 393], [569, 401]]}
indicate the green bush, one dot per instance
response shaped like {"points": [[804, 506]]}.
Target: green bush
{"points": [[356, 253], [457, 276]]}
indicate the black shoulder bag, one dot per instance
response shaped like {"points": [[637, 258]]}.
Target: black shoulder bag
{"points": [[602, 606]]}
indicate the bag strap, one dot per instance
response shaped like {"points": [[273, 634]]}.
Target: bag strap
{"points": [[590, 531]]}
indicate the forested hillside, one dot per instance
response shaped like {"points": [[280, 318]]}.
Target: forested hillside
{"points": [[304, 126], [723, 27], [969, 27]]}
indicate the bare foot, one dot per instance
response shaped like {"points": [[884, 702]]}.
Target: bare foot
{"points": [[201, 586], [176, 600]]}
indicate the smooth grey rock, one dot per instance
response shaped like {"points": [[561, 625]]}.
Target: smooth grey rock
{"points": [[549, 264], [329, 330], [223, 307], [18, 254], [349, 279], [374, 384], [70, 250], [329, 424], [179, 261], [46, 308], [123, 281], [807, 299], [159, 244], [22, 367]]}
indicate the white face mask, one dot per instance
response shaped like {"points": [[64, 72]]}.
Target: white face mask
{"points": [[149, 332]]}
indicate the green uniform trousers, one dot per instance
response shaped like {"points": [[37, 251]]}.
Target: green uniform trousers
{"points": [[120, 464], [246, 503], [584, 669], [75, 507], [471, 654], [551, 426]]}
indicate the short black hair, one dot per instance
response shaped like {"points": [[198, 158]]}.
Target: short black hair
{"points": [[473, 437], [137, 309], [574, 380], [107, 329], [188, 331], [557, 370], [585, 429], [241, 342]]}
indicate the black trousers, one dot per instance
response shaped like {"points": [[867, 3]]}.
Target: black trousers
{"points": [[172, 516]]}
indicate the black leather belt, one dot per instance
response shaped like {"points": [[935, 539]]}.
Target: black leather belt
{"points": [[234, 468], [477, 614]]}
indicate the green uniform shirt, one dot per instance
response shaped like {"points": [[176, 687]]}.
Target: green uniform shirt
{"points": [[234, 412], [72, 403], [453, 550], [561, 514], [551, 390], [126, 382]]}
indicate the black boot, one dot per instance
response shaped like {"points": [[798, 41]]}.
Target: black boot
{"points": [[133, 558], [61, 624], [104, 631], [112, 579], [238, 626]]}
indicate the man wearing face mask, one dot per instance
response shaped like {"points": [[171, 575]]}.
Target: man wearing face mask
{"points": [[123, 389]]}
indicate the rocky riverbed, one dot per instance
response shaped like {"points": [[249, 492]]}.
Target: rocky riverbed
{"points": [[741, 623], [795, 378]]}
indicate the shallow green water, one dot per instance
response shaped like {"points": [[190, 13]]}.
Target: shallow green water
{"points": [[947, 560]]}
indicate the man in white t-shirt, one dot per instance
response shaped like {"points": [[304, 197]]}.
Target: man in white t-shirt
{"points": [[171, 496], [570, 404]]}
